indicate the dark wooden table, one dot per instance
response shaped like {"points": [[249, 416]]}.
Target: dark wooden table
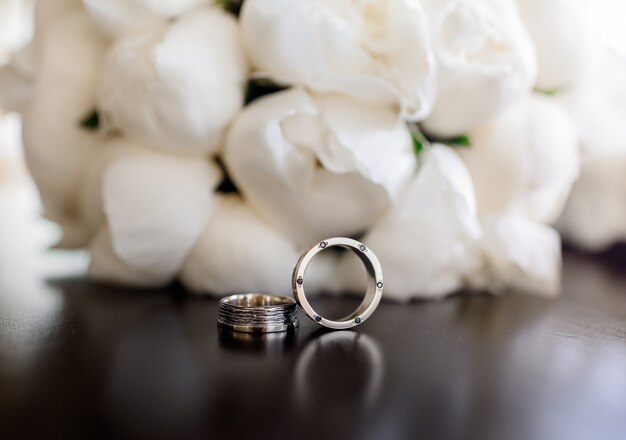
{"points": [[91, 361]]}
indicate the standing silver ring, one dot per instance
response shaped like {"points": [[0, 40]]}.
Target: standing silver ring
{"points": [[372, 295], [257, 313]]}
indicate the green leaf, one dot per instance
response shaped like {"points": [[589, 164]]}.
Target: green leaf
{"points": [[459, 141], [550, 92], [91, 121], [418, 144], [419, 140]]}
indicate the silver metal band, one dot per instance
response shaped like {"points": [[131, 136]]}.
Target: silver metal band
{"points": [[372, 295], [257, 313]]}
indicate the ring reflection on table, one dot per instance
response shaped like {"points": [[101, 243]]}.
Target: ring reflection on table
{"points": [[339, 363]]}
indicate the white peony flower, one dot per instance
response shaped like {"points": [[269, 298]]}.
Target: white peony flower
{"points": [[559, 32], [486, 62], [595, 215], [238, 252], [156, 206], [318, 166], [176, 87], [329, 157], [429, 244], [118, 18], [56, 146], [524, 161], [375, 50], [519, 254]]}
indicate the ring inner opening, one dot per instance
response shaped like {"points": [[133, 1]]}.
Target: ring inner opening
{"points": [[325, 282]]}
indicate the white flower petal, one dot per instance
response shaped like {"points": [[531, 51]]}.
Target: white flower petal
{"points": [[238, 253], [524, 161], [89, 211], [598, 102], [117, 18], [318, 167], [17, 80], [107, 266], [486, 62], [10, 144], [176, 87], [56, 146], [376, 50], [521, 255], [156, 206], [559, 32], [595, 215], [64, 28], [48, 11], [428, 244], [358, 135], [16, 25]]}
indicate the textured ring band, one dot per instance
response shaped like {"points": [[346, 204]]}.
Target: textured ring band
{"points": [[257, 313], [372, 295]]}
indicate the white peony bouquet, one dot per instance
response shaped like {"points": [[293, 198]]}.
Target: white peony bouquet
{"points": [[211, 142]]}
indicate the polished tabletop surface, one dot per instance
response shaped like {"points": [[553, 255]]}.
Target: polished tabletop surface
{"points": [[84, 360]]}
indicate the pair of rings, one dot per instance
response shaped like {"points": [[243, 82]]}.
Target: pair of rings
{"points": [[260, 313]]}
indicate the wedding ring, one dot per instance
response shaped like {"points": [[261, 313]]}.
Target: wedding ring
{"points": [[257, 313], [372, 295]]}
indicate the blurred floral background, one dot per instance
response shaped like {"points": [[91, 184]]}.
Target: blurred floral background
{"points": [[210, 142]]}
